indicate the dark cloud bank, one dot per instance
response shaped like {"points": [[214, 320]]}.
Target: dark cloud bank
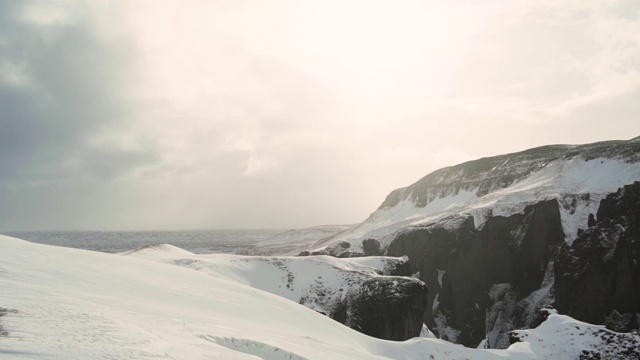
{"points": [[59, 88]]}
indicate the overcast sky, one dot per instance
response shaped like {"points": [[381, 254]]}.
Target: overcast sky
{"points": [[283, 114]]}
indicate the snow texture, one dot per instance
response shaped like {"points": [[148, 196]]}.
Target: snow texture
{"points": [[61, 303]]}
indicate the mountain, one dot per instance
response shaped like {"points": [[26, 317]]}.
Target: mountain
{"points": [[62, 303], [492, 238]]}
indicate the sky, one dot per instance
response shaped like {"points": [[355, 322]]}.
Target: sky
{"points": [[125, 115]]}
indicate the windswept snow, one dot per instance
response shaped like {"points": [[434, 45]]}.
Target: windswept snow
{"points": [[77, 304]]}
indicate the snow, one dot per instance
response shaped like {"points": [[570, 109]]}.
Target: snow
{"points": [[561, 337], [436, 302], [426, 333], [317, 282], [77, 304], [291, 242], [406, 211], [577, 183], [440, 276], [379, 263]]}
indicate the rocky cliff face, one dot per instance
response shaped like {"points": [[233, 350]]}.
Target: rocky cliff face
{"points": [[598, 276], [386, 308], [576, 176], [473, 272], [498, 238]]}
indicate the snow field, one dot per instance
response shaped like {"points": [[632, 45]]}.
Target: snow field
{"points": [[76, 304]]}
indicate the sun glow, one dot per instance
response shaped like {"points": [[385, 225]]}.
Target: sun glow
{"points": [[336, 43], [373, 36]]}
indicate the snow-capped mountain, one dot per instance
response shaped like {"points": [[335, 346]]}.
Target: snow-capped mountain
{"points": [[486, 235], [61, 303]]}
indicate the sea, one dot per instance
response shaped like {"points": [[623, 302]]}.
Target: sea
{"points": [[195, 241]]}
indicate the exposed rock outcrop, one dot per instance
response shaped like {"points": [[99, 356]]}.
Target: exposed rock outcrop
{"points": [[598, 276], [386, 308], [371, 247], [472, 272]]}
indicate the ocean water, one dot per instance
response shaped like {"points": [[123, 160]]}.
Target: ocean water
{"points": [[196, 241]]}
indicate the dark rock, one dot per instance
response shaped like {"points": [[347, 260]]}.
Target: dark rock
{"points": [[344, 244], [398, 268], [590, 354], [600, 271], [348, 254], [514, 338], [542, 315], [3, 312], [619, 322], [371, 247], [326, 251], [515, 250], [304, 253], [385, 307]]}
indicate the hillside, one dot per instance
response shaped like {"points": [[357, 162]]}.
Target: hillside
{"points": [[577, 176], [490, 237], [60, 303]]}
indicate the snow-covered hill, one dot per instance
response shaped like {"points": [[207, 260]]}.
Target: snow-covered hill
{"points": [[339, 288], [60, 303], [298, 279], [577, 176]]}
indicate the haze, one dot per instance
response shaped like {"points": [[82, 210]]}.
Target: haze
{"points": [[280, 114]]}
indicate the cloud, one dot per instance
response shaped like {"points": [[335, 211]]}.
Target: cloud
{"points": [[61, 84], [278, 114]]}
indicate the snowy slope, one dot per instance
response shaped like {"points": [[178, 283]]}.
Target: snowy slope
{"points": [[578, 176], [317, 282], [556, 338], [60, 303], [291, 242]]}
